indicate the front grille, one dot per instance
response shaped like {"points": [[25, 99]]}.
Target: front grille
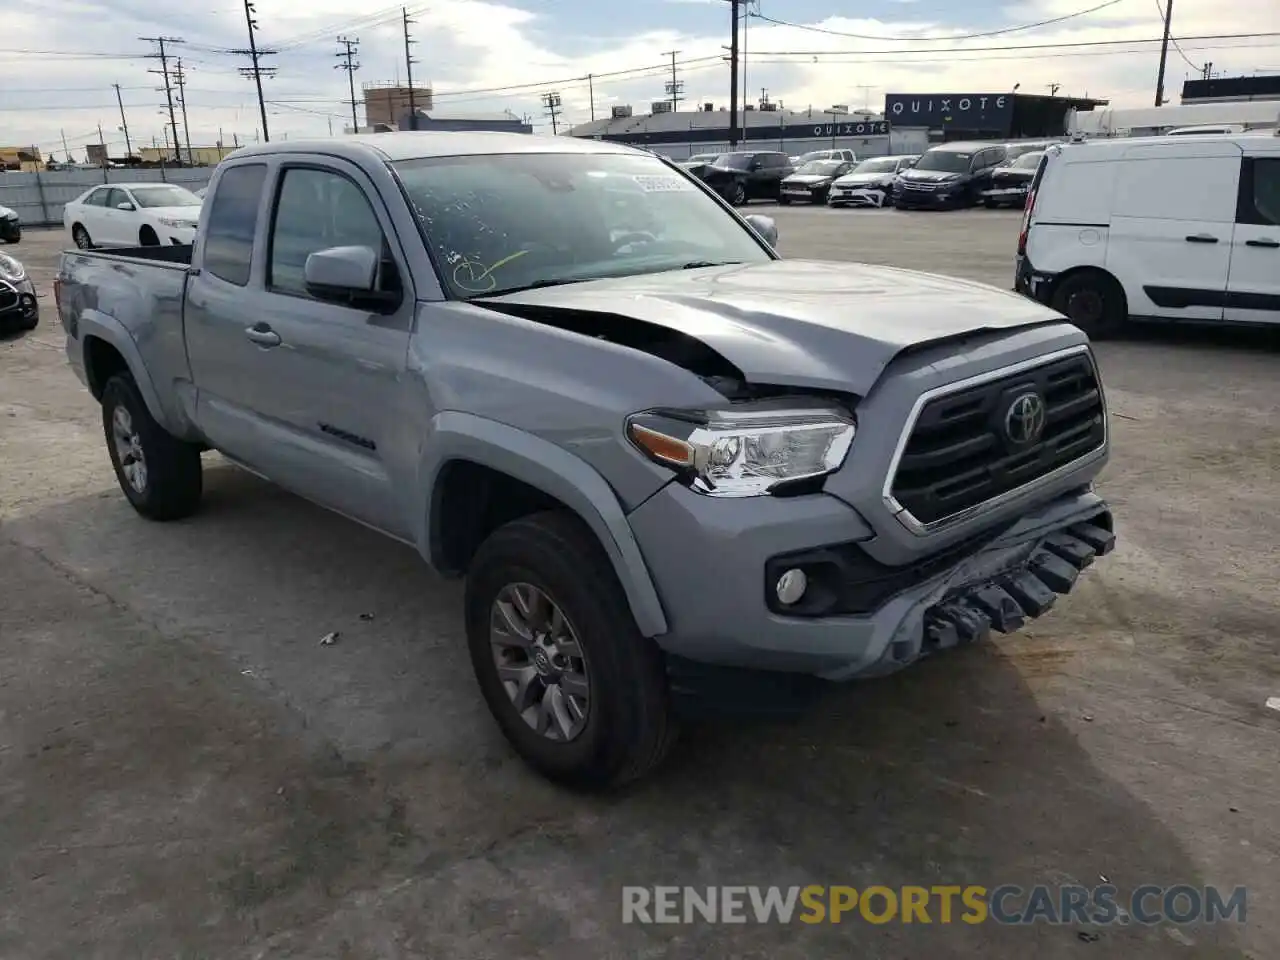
{"points": [[961, 452], [913, 185]]}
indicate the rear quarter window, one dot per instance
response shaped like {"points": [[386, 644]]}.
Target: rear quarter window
{"points": [[232, 223], [1073, 191]]}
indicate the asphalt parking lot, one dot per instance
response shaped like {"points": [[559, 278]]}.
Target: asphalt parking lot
{"points": [[186, 772]]}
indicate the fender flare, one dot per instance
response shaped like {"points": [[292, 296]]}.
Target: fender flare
{"points": [[110, 330], [556, 472]]}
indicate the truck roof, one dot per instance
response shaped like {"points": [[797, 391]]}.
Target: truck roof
{"points": [[1098, 148], [409, 145]]}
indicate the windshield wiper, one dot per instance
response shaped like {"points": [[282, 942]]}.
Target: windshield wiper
{"points": [[699, 264], [538, 285]]}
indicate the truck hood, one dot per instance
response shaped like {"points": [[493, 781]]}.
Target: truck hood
{"points": [[817, 324], [929, 176], [863, 179]]}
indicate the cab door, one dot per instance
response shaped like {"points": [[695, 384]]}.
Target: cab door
{"points": [[1253, 285]]}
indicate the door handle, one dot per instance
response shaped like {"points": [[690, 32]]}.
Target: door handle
{"points": [[1264, 242], [1202, 238], [262, 335]]}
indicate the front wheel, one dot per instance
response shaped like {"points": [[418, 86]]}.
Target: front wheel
{"points": [[147, 237], [80, 236], [1094, 302], [738, 194], [159, 474], [576, 689]]}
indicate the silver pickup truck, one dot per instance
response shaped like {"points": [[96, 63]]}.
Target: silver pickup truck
{"points": [[678, 471]]}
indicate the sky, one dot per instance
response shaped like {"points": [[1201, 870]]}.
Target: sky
{"points": [[59, 59]]}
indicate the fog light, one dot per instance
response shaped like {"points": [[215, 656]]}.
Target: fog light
{"points": [[791, 586]]}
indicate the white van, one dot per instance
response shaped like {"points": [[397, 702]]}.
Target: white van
{"points": [[1163, 228]]}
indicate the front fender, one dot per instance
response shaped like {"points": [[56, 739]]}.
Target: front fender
{"points": [[556, 472]]}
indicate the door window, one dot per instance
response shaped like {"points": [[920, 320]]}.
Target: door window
{"points": [[233, 221], [316, 210], [97, 198], [115, 197], [1261, 204]]}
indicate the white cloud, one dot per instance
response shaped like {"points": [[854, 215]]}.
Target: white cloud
{"points": [[469, 45]]}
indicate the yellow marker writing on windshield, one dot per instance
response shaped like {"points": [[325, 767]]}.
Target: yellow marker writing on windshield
{"points": [[476, 277]]}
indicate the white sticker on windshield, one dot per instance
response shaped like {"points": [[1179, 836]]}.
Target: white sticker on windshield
{"points": [[661, 184]]}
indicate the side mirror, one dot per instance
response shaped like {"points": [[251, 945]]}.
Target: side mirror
{"points": [[765, 227], [343, 274], [125, 206]]}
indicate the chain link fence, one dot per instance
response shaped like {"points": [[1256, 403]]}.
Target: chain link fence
{"points": [[38, 198]]}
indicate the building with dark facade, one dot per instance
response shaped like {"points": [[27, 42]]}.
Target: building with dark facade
{"points": [[1232, 89], [983, 116]]}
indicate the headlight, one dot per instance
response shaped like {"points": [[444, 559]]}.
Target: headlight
{"points": [[745, 452], [177, 224], [11, 269]]}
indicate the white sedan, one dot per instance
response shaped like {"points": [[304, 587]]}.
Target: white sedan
{"points": [[132, 214]]}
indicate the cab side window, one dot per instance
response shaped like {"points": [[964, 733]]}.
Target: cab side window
{"points": [[233, 221], [98, 198], [315, 210]]}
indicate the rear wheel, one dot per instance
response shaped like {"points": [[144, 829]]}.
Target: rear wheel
{"points": [[80, 236], [1093, 301], [160, 474], [576, 689]]}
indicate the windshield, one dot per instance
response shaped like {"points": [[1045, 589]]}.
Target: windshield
{"points": [[879, 165], [1028, 161], [812, 155], [164, 195], [824, 167], [509, 221], [702, 158], [945, 161]]}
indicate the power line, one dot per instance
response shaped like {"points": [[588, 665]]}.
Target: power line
{"points": [[1014, 46], [551, 106], [256, 70], [967, 36], [163, 57], [348, 54]]}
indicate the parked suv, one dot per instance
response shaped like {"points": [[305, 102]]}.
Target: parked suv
{"points": [[948, 175], [743, 177]]}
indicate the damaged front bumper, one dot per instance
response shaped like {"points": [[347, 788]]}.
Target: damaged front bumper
{"points": [[716, 587]]}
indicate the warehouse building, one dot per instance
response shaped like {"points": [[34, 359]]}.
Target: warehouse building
{"points": [[942, 117], [764, 126]]}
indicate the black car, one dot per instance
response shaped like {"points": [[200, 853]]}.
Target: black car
{"points": [[18, 306], [948, 175], [10, 228], [812, 181], [1011, 180], [743, 177]]}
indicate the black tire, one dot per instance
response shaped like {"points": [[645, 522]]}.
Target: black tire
{"points": [[147, 237], [737, 194], [1093, 301], [173, 480], [629, 727], [784, 201], [989, 203], [80, 236]]}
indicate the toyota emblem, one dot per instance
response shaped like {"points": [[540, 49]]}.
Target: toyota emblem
{"points": [[1024, 421]]}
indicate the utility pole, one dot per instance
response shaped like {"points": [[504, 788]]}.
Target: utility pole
{"points": [[180, 78], [65, 149], [1164, 52], [1053, 89], [551, 102], [733, 77], [674, 86], [348, 54], [124, 124], [591, 91], [408, 68], [163, 57], [257, 70], [102, 145]]}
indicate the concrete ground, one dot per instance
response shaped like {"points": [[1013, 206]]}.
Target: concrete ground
{"points": [[186, 772]]}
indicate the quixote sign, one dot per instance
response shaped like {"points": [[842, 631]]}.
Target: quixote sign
{"points": [[985, 111], [855, 128]]}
